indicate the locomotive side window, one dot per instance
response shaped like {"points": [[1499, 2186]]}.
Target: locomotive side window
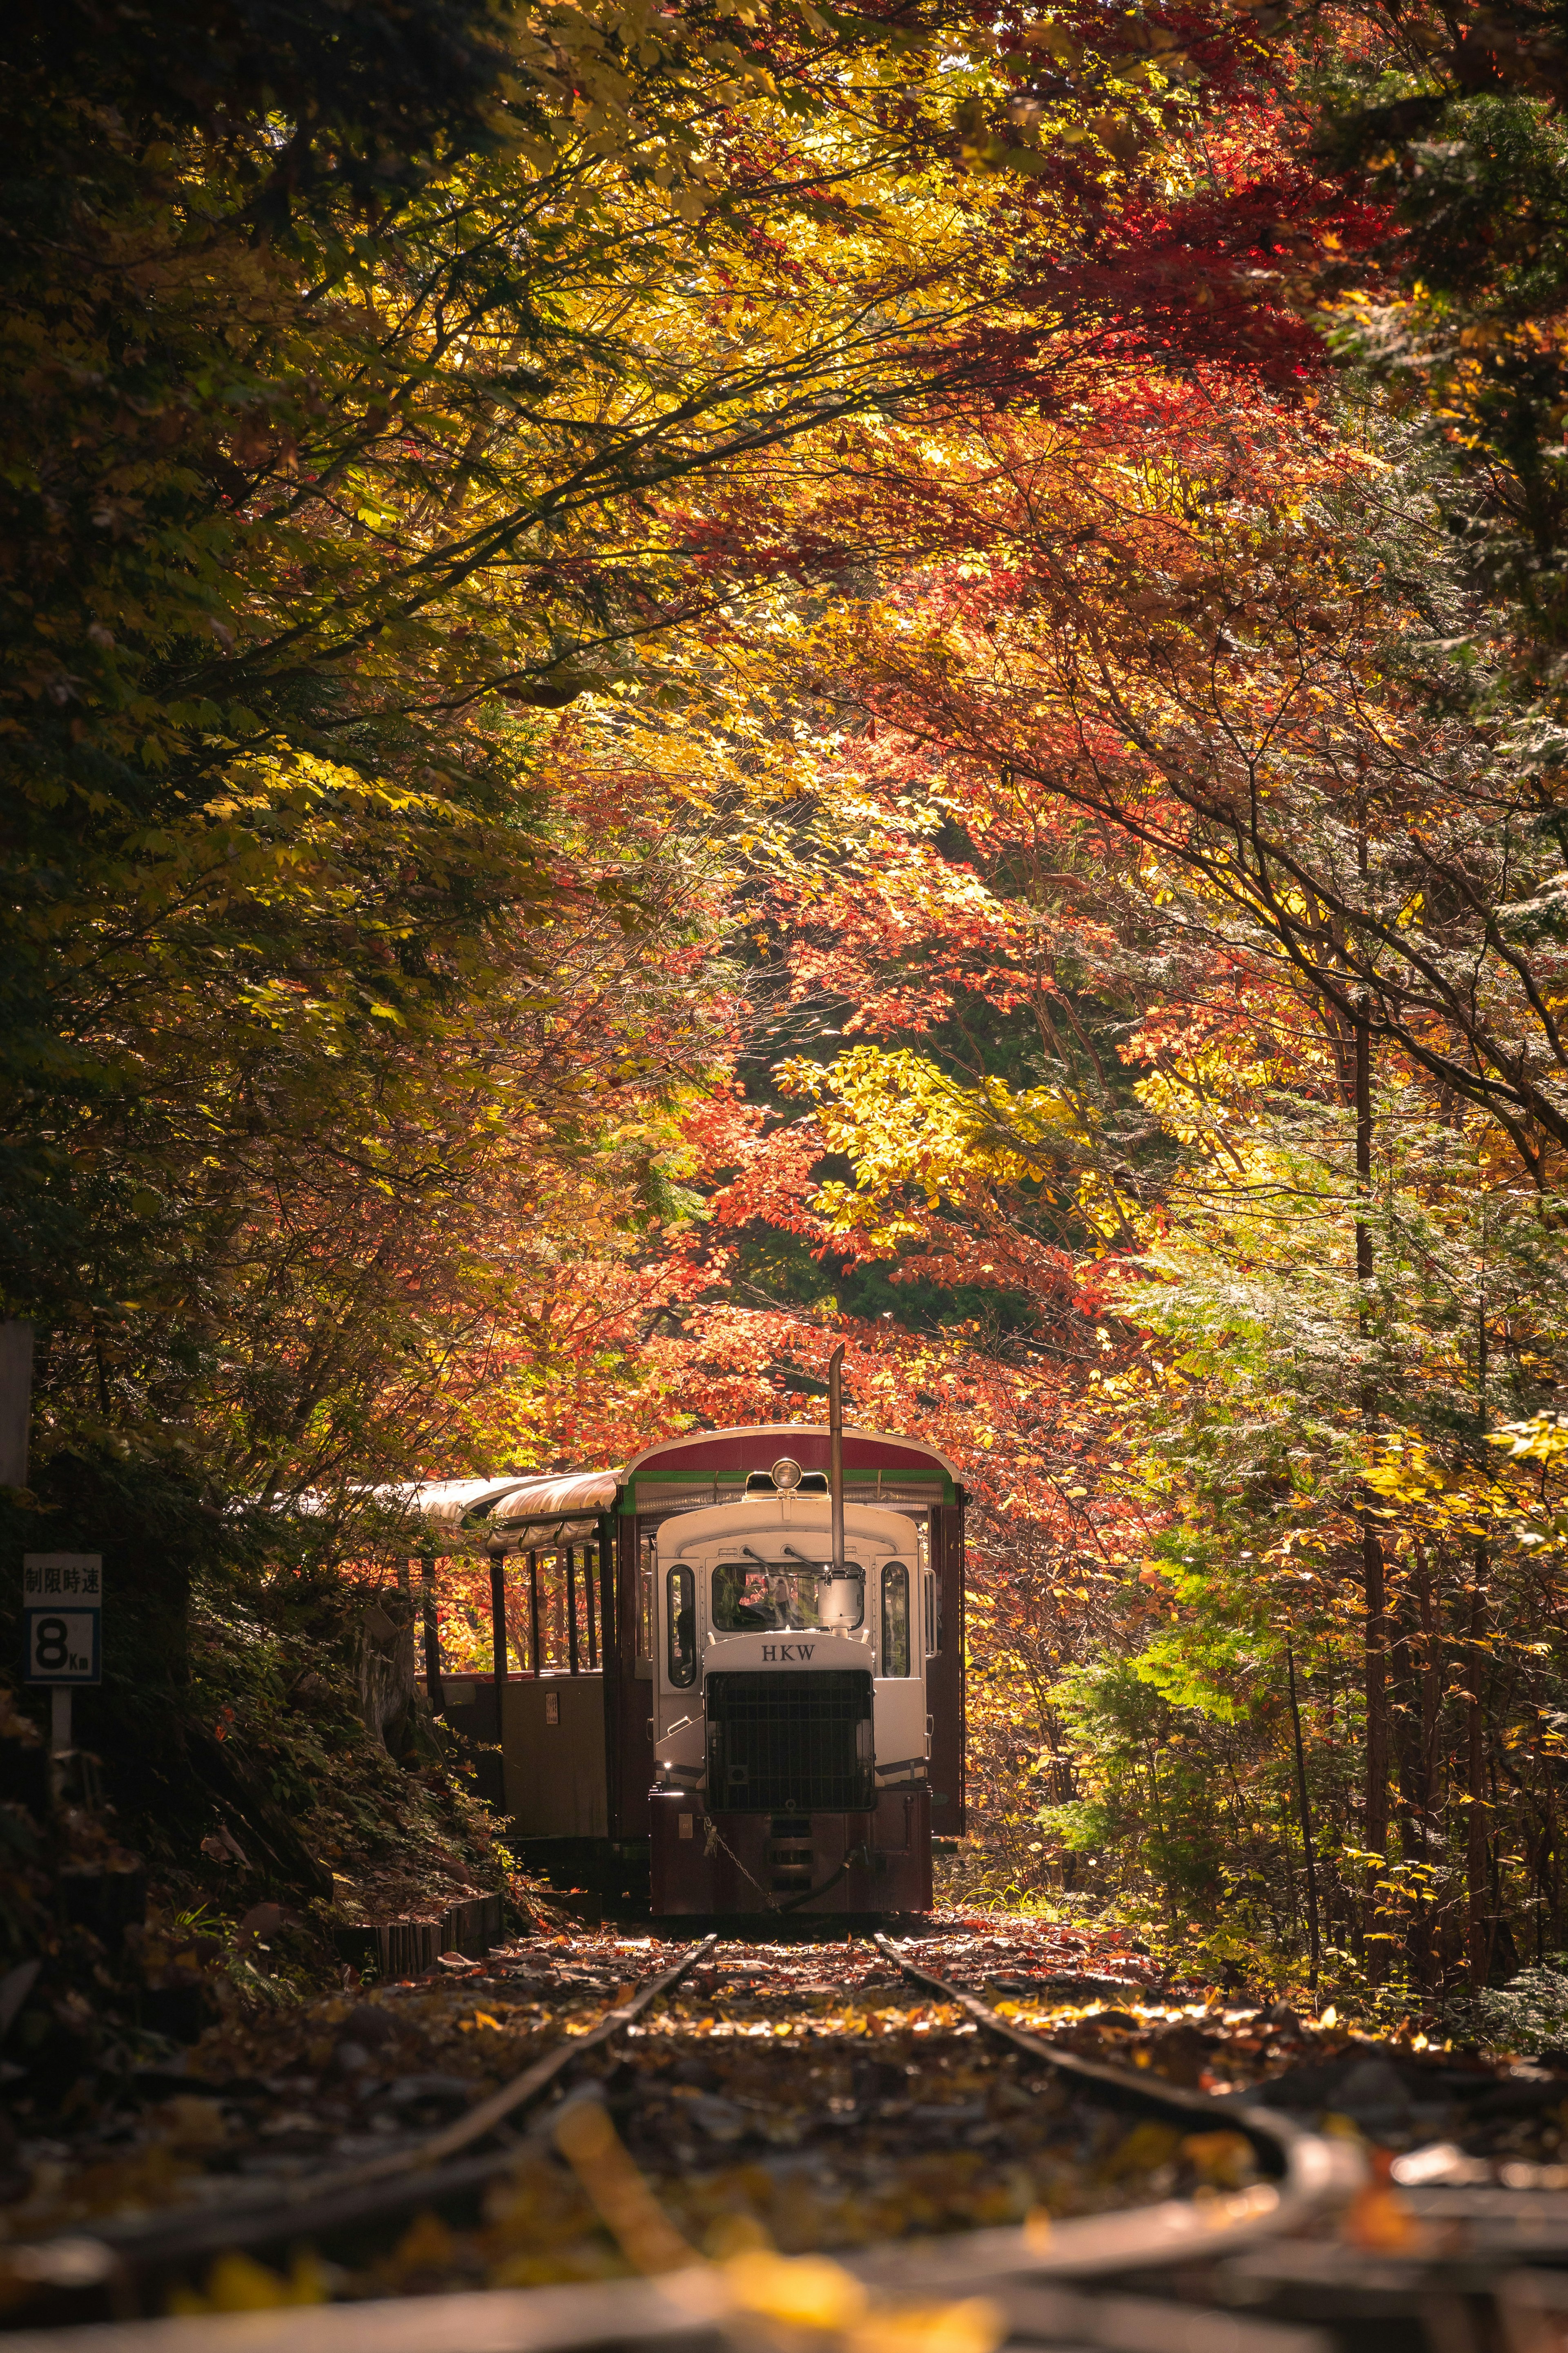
{"points": [[894, 1618], [680, 1601], [928, 1577], [770, 1595], [645, 1607]]}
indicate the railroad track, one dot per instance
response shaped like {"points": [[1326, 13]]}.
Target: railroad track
{"points": [[1241, 2258]]}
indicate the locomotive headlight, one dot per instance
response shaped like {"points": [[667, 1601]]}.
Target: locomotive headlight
{"points": [[786, 1473]]}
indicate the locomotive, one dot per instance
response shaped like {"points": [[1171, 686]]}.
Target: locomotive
{"points": [[739, 1666]]}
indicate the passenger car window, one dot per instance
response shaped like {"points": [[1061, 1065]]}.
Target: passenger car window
{"points": [[680, 1597], [894, 1618]]}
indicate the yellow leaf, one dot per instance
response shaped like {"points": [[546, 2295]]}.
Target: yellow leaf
{"points": [[974, 2326], [806, 2291]]}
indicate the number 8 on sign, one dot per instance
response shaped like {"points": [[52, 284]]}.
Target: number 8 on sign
{"points": [[62, 1646]]}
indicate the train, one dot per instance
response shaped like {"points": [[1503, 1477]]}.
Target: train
{"points": [[736, 1684]]}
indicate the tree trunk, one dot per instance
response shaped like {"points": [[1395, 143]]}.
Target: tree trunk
{"points": [[1479, 1910], [385, 1666], [1432, 1794], [1371, 1562], [1314, 1940], [1477, 1813], [1413, 1824]]}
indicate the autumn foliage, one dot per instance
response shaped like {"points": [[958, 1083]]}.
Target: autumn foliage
{"points": [[694, 683]]}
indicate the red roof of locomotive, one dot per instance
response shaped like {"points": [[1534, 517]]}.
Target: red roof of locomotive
{"points": [[759, 1444]]}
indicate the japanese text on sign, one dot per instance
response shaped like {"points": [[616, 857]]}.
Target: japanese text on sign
{"points": [[62, 1577]]}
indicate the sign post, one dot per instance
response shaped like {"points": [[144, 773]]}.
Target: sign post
{"points": [[16, 1401], [62, 1630]]}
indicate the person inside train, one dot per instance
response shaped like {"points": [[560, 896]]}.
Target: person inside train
{"points": [[781, 1594]]}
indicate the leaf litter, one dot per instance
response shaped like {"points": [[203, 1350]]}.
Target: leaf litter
{"points": [[797, 2096]]}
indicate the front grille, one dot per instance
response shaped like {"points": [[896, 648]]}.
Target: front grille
{"points": [[788, 1744]]}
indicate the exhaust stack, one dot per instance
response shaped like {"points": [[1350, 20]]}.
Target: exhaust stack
{"points": [[836, 1449]]}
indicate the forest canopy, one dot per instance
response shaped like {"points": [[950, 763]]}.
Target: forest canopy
{"points": [[685, 683]]}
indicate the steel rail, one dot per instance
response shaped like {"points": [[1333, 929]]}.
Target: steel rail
{"points": [[419, 2174], [526, 2088], [1316, 2175]]}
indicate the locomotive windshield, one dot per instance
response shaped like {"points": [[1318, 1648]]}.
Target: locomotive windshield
{"points": [[774, 1594]]}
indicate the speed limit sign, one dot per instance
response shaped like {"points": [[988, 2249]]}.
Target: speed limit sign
{"points": [[63, 1646], [62, 1616]]}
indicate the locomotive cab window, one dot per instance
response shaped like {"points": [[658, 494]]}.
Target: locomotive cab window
{"points": [[680, 1601], [894, 1618], [769, 1596]]}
